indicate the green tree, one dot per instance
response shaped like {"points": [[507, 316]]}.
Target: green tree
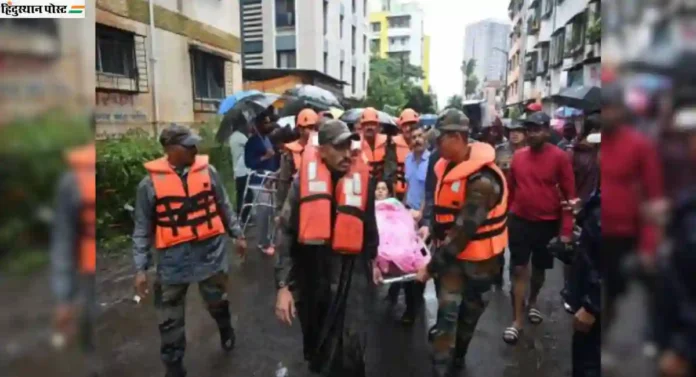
{"points": [[390, 82], [419, 101], [455, 102], [468, 70]]}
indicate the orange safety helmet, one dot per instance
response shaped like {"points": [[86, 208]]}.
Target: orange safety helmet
{"points": [[369, 115], [408, 116], [307, 118]]}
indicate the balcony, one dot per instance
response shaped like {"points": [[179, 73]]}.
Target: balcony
{"points": [[285, 20]]}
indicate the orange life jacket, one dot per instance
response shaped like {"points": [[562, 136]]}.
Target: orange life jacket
{"points": [[183, 214], [318, 192], [82, 161], [295, 149], [402, 151], [491, 237], [375, 158]]}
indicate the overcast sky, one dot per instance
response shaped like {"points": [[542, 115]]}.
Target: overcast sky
{"points": [[445, 21]]}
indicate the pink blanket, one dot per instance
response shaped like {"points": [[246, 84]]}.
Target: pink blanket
{"points": [[399, 245]]}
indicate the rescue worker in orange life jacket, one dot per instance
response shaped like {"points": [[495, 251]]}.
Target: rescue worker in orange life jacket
{"points": [[183, 211], [327, 245], [305, 123], [374, 143], [398, 149], [470, 233], [73, 251]]}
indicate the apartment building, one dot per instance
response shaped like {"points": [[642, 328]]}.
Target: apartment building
{"points": [[517, 11], [397, 31], [562, 48], [176, 69], [43, 65], [487, 42], [328, 36]]}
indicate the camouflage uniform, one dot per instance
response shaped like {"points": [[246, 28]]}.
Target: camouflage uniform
{"points": [[464, 286], [204, 262], [68, 284]]}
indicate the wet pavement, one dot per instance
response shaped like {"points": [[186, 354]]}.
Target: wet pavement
{"points": [[128, 341]]}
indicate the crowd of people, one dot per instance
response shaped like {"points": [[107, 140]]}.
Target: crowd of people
{"points": [[473, 196]]}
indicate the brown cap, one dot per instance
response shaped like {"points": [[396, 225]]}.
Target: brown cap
{"points": [[176, 134], [333, 131]]}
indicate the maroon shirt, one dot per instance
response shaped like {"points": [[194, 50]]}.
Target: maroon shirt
{"points": [[536, 181], [630, 174]]}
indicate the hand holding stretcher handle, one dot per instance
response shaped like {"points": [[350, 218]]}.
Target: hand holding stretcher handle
{"points": [[407, 277]]}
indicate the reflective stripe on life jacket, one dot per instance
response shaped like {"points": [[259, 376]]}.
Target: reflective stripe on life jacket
{"points": [[402, 151], [183, 213], [82, 161], [491, 237], [317, 193], [375, 158]]}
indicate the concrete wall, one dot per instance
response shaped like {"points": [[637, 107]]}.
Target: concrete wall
{"points": [[177, 30], [40, 73]]}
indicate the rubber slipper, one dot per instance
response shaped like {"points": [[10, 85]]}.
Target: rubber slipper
{"points": [[534, 316], [511, 335]]}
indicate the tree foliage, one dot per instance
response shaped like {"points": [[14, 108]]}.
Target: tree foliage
{"points": [[391, 87], [471, 83], [455, 102]]}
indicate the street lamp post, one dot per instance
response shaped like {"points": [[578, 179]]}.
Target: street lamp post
{"points": [[505, 91]]}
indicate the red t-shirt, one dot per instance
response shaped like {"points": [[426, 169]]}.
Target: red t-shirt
{"points": [[538, 182], [630, 174]]}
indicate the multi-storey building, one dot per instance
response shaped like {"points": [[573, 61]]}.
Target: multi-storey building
{"points": [[396, 31], [486, 42], [175, 65], [514, 83], [562, 48], [328, 36]]}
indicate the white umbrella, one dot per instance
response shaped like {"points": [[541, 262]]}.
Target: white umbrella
{"points": [[287, 121]]}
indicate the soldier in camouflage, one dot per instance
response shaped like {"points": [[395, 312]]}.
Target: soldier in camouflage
{"points": [[464, 286], [198, 261]]}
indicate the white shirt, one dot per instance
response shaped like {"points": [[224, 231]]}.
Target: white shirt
{"points": [[237, 142]]}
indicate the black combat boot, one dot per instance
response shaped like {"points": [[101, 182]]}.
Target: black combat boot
{"points": [[227, 338], [175, 369]]}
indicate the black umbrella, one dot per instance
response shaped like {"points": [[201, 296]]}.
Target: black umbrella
{"points": [[302, 96], [352, 116], [587, 98], [243, 112]]}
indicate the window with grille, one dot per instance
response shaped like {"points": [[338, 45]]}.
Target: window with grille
{"points": [[208, 75], [115, 51]]}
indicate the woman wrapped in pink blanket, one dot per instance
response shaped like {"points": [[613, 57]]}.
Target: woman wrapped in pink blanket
{"points": [[400, 248]]}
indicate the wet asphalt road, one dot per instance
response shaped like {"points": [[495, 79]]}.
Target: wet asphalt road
{"points": [[128, 342], [128, 339]]}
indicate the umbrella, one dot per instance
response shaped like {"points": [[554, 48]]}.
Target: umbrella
{"points": [[567, 112], [586, 98], [230, 101], [352, 116], [302, 96], [428, 120], [288, 121], [243, 112]]}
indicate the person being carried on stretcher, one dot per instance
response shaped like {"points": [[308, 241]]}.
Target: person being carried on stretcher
{"points": [[400, 250]]}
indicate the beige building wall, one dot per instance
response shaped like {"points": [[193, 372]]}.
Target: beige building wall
{"points": [[210, 26], [43, 70]]}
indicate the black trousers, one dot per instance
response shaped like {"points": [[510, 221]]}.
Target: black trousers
{"points": [[587, 352], [240, 186], [413, 291]]}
